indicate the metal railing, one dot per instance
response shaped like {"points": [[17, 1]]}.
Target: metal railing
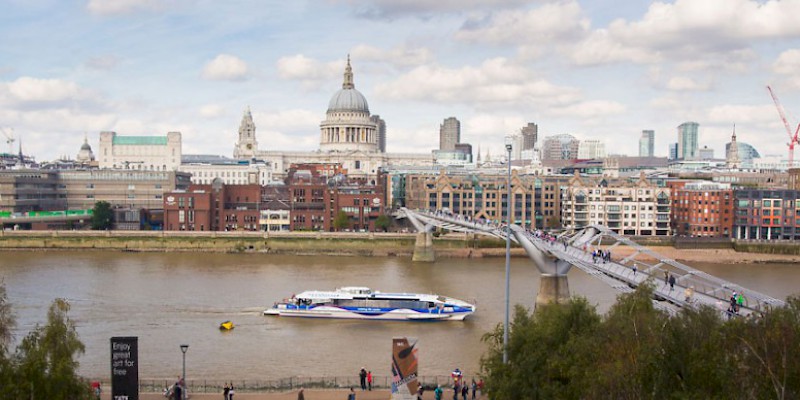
{"points": [[285, 384]]}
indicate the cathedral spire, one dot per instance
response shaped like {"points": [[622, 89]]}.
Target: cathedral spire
{"points": [[348, 76], [732, 160]]}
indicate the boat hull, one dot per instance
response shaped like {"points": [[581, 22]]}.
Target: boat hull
{"points": [[392, 315]]}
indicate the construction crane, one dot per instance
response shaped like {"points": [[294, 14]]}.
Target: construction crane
{"points": [[792, 137], [9, 138]]}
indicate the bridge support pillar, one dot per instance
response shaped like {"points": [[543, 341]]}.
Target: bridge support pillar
{"points": [[552, 289], [423, 248]]}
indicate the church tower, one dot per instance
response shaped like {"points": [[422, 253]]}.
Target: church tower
{"points": [[732, 159], [247, 145]]}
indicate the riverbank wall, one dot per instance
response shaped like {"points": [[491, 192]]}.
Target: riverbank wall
{"points": [[451, 245]]}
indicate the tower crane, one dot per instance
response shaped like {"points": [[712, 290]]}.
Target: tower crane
{"points": [[9, 138], [792, 137]]}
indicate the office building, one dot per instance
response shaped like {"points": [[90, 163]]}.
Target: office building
{"points": [[647, 143], [688, 137]]}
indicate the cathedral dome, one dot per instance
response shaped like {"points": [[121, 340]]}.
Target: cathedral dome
{"points": [[348, 98], [85, 146]]}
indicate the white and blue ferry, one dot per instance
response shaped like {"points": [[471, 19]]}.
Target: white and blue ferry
{"points": [[362, 303]]}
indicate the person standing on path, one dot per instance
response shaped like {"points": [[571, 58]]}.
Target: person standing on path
{"points": [[671, 282], [437, 393], [474, 387], [352, 394], [369, 380], [231, 392], [225, 391], [464, 391], [666, 278], [362, 375], [300, 395]]}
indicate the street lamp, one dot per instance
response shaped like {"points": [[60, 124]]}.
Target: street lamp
{"points": [[184, 347], [509, 141]]}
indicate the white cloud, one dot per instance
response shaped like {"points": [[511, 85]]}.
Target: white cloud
{"points": [[399, 56], [562, 20], [686, 84], [226, 67], [309, 71], [495, 82], [600, 47], [212, 111], [34, 90], [732, 113], [424, 8], [690, 29], [589, 109], [788, 62], [114, 7], [288, 120]]}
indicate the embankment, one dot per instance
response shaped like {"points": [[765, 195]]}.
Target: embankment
{"points": [[368, 244]]}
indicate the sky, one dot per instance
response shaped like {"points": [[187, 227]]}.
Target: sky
{"points": [[596, 69]]}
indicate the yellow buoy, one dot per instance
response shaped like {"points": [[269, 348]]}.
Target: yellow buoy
{"points": [[226, 326]]}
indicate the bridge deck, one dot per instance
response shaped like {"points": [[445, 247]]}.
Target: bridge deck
{"points": [[618, 273]]}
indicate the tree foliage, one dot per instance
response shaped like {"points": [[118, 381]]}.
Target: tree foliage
{"points": [[341, 221], [635, 351], [101, 216], [383, 222], [44, 365]]}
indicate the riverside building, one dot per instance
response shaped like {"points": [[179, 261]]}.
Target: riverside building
{"points": [[638, 208]]}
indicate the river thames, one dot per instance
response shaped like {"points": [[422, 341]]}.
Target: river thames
{"points": [[180, 298]]}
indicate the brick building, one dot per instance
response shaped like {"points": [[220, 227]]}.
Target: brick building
{"points": [[701, 208]]}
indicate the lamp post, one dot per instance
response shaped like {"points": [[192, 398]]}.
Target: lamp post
{"points": [[184, 347], [508, 142]]}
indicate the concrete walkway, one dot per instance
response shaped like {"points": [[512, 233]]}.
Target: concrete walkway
{"points": [[310, 394]]}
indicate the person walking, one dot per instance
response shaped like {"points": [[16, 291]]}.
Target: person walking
{"points": [[634, 268], [688, 293], [437, 393], [362, 376], [464, 391], [177, 391], [225, 391], [300, 395], [666, 278], [671, 282], [369, 380], [474, 387], [352, 394], [231, 392]]}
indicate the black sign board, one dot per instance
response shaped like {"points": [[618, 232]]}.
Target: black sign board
{"points": [[125, 368]]}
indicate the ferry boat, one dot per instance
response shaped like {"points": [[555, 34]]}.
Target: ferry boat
{"points": [[355, 302]]}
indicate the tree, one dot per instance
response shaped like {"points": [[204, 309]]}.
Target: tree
{"points": [[341, 221], [7, 323], [101, 216], [46, 365], [383, 222]]}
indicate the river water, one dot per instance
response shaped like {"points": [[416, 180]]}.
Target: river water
{"points": [[171, 299]]}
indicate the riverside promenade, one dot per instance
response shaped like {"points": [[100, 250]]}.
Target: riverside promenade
{"points": [[310, 394]]}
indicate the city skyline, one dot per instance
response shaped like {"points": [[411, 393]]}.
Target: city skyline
{"points": [[599, 70]]}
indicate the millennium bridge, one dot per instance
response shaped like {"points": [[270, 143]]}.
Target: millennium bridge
{"points": [[554, 255]]}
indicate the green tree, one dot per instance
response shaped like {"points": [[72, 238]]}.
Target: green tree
{"points": [[543, 349], [383, 222], [46, 366], [341, 221], [7, 323], [101, 216]]}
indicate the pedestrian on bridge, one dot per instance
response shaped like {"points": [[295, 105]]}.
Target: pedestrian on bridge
{"points": [[634, 269], [688, 293], [671, 282]]}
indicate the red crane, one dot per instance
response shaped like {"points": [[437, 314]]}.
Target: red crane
{"points": [[792, 138]]}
